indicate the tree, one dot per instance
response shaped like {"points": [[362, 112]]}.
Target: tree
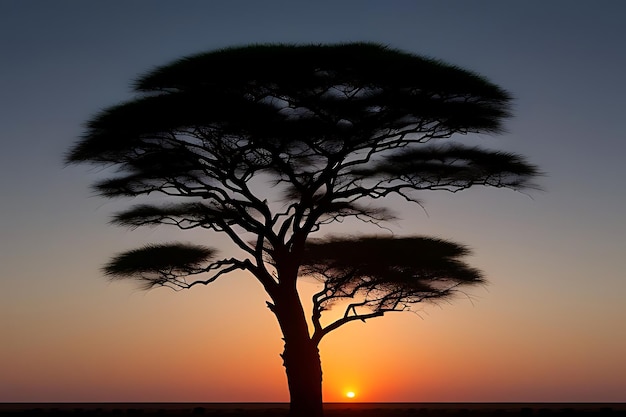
{"points": [[336, 128]]}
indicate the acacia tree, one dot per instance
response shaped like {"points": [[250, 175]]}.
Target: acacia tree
{"points": [[335, 128]]}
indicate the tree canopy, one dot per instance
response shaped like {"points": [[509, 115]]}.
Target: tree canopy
{"points": [[335, 129]]}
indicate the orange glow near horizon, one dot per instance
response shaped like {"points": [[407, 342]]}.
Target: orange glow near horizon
{"points": [[141, 352]]}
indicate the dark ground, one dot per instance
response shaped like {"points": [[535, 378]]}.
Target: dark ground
{"points": [[331, 409]]}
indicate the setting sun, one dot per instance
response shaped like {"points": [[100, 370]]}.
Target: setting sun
{"points": [[350, 394]]}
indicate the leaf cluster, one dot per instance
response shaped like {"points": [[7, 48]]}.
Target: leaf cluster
{"points": [[390, 272]]}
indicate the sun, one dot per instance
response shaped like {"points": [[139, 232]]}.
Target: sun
{"points": [[350, 394]]}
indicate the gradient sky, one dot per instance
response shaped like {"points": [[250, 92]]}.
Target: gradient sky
{"points": [[550, 326]]}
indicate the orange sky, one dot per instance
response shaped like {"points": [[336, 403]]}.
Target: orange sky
{"points": [[201, 345]]}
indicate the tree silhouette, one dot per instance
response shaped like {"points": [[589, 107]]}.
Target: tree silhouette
{"points": [[335, 128]]}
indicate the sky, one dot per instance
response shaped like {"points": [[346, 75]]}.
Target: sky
{"points": [[549, 326]]}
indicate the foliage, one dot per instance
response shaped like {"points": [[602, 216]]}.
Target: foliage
{"points": [[335, 128]]}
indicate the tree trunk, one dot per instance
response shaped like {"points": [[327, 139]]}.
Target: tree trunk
{"points": [[301, 357], [304, 377]]}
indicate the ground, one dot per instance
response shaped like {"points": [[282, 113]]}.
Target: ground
{"points": [[331, 410]]}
